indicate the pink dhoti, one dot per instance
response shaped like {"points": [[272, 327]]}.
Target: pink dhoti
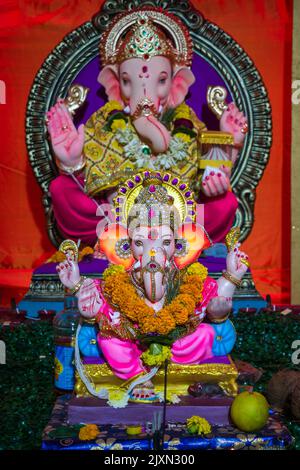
{"points": [[124, 356]]}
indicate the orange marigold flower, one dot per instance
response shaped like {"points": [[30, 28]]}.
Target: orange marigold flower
{"points": [[122, 294]]}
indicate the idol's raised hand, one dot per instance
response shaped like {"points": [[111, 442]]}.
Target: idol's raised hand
{"points": [[67, 141], [68, 272], [235, 122], [237, 262]]}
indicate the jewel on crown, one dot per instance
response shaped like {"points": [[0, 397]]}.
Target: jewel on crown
{"points": [[145, 40]]}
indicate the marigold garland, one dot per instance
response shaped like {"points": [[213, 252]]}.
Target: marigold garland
{"points": [[122, 294]]}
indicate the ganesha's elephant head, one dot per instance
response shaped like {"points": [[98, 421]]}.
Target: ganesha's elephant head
{"points": [[155, 79], [157, 240], [147, 78]]}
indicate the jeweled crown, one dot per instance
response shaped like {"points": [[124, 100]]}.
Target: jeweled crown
{"points": [[145, 33], [144, 41], [154, 198]]}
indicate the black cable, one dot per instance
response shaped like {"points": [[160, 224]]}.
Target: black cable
{"points": [[163, 427]]}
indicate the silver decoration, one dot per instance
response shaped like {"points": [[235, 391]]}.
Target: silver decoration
{"points": [[120, 250]]}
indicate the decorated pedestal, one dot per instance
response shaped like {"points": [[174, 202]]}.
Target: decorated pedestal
{"points": [[219, 370], [60, 435]]}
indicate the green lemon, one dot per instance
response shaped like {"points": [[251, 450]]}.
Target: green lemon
{"points": [[249, 411]]}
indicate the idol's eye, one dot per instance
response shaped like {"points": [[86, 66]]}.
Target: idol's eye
{"points": [[162, 79], [125, 81], [138, 243], [167, 242]]}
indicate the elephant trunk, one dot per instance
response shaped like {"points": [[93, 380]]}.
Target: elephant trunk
{"points": [[149, 128], [153, 275]]}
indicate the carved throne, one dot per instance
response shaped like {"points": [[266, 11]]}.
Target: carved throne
{"points": [[221, 65]]}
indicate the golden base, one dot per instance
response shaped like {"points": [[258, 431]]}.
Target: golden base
{"points": [[180, 377]]}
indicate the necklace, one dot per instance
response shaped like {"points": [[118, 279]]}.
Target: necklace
{"points": [[121, 293], [140, 153]]}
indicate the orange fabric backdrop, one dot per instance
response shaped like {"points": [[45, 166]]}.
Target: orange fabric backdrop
{"points": [[30, 29]]}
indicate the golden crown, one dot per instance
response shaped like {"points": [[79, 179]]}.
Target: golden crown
{"points": [[146, 33], [154, 199]]}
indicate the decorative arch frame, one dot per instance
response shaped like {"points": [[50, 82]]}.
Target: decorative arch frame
{"points": [[213, 44]]}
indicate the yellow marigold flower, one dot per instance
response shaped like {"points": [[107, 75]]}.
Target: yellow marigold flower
{"points": [[198, 269], [88, 432], [192, 290], [121, 293], [58, 257], [110, 106], [156, 359], [182, 111], [198, 425], [113, 269], [118, 124], [185, 137], [85, 251]]}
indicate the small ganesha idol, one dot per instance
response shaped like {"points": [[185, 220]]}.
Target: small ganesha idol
{"points": [[153, 300]]}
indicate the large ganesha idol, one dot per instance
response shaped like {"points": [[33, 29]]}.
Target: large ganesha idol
{"points": [[146, 56], [154, 300]]}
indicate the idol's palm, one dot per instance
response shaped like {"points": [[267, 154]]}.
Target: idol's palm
{"points": [[67, 141]]}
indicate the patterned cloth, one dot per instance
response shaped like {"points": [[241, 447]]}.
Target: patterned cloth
{"points": [[107, 165], [59, 436]]}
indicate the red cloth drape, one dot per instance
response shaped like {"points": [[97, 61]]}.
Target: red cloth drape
{"points": [[30, 29]]}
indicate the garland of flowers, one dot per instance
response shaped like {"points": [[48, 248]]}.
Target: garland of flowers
{"points": [[119, 289], [137, 151]]}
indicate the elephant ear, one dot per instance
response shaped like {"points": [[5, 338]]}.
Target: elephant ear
{"points": [[113, 241], [195, 238], [182, 79], [108, 77]]}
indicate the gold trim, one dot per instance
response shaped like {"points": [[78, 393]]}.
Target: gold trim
{"points": [[214, 163], [179, 378], [216, 137]]}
